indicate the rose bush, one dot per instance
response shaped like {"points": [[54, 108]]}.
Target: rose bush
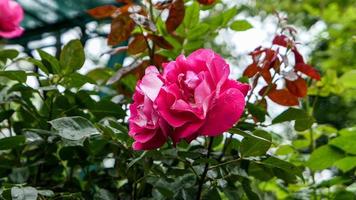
{"points": [[194, 96], [10, 18]]}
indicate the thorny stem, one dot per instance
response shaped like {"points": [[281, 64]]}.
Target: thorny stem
{"points": [[206, 168]]}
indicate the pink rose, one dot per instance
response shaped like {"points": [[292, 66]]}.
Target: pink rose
{"points": [[198, 98], [148, 129], [11, 14]]}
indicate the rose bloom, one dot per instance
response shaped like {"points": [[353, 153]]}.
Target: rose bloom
{"points": [[198, 98], [147, 128], [11, 14]]}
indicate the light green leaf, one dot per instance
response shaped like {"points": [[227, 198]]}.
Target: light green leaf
{"points": [[72, 57], [348, 79], [15, 75], [191, 17], [73, 128], [346, 164], [199, 30], [345, 142], [240, 25], [323, 158]]}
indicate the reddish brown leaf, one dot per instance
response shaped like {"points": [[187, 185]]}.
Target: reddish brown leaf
{"points": [[143, 21], [307, 70], [206, 2], [298, 87], [297, 56], [161, 5], [137, 45], [263, 91], [176, 15], [266, 74], [102, 12], [158, 60], [160, 41], [121, 28], [283, 97], [251, 70]]}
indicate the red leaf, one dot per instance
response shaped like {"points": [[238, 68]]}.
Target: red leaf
{"points": [[251, 70], [124, 1], [176, 15], [206, 2], [281, 40], [121, 28], [283, 97], [160, 41], [297, 56], [298, 87], [307, 70], [102, 12], [137, 45]]}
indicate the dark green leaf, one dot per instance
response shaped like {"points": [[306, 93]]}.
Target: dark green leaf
{"points": [[51, 63], [6, 114], [39, 64], [8, 54], [19, 76], [11, 142], [256, 145]]}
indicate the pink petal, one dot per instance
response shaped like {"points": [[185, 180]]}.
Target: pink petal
{"points": [[226, 111], [244, 88], [187, 132], [157, 141], [151, 84]]}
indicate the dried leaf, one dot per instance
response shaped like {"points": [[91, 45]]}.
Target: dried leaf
{"points": [[298, 87], [121, 28], [160, 41], [137, 45], [176, 15], [102, 12], [266, 74], [307, 70], [283, 97]]}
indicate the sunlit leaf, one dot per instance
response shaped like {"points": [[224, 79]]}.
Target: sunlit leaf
{"points": [[102, 12]]}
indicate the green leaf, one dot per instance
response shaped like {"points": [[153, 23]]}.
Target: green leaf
{"points": [[191, 18], [284, 165], [72, 57], [8, 54], [257, 111], [302, 120], [255, 146], [39, 64], [227, 15], [51, 63], [17, 75], [199, 30], [246, 185], [12, 142], [74, 128], [323, 158], [345, 142], [348, 79], [77, 80], [346, 164], [240, 25]]}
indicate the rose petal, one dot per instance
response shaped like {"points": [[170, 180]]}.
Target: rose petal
{"points": [[225, 113]]}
